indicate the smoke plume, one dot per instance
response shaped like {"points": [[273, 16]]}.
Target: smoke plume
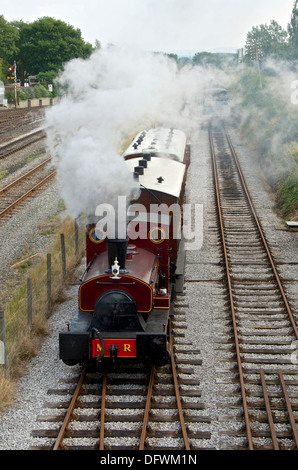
{"points": [[108, 98]]}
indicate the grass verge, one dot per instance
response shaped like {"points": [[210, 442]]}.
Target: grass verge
{"points": [[287, 198], [23, 341]]}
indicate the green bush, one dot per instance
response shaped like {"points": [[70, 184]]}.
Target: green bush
{"points": [[269, 125], [287, 197], [41, 91], [29, 93]]}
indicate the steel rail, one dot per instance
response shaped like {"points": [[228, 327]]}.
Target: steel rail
{"points": [[269, 413], [292, 320], [177, 393], [24, 196], [10, 152], [147, 409], [26, 175], [63, 428], [289, 407], [103, 410], [22, 142], [229, 281]]}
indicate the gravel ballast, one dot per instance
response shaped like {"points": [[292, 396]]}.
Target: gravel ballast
{"points": [[204, 299]]}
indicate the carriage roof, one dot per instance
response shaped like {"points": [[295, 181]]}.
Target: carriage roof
{"points": [[162, 174], [159, 141]]}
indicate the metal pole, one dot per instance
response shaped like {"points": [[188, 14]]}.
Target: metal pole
{"points": [[258, 64], [29, 300], [2, 338], [63, 255], [15, 83], [49, 280], [76, 237]]}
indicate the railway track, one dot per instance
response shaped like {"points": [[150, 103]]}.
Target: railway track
{"points": [[255, 367], [131, 407], [12, 120], [23, 187], [261, 325], [19, 143]]}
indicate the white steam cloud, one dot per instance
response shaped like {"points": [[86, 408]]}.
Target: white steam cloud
{"points": [[267, 115], [112, 95]]}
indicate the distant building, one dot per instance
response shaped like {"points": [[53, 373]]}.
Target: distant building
{"points": [[240, 54], [32, 80]]}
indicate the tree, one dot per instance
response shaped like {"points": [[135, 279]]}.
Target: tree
{"points": [[8, 38], [8, 48], [206, 58], [217, 60], [264, 41], [47, 43], [293, 31]]}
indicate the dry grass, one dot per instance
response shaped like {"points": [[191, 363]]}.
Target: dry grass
{"points": [[7, 388], [23, 341]]}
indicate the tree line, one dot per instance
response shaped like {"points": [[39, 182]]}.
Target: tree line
{"points": [[273, 41], [39, 48], [262, 42]]}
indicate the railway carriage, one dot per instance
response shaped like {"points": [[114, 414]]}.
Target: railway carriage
{"points": [[124, 300]]}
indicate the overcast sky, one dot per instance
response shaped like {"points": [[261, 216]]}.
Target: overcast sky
{"points": [[157, 25]]}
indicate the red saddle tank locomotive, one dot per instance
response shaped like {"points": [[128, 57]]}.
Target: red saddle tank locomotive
{"points": [[124, 300]]}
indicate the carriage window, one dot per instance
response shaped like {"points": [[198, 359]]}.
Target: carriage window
{"points": [[157, 235], [96, 235]]}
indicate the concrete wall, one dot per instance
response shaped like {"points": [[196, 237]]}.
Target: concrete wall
{"points": [[34, 103]]}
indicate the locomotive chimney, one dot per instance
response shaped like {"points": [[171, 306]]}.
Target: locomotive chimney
{"points": [[117, 248]]}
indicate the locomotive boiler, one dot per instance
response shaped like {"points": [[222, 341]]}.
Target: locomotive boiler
{"points": [[126, 291]]}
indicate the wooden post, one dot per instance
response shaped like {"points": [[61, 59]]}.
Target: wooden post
{"points": [[29, 300], [49, 281], [63, 255], [2, 338], [76, 237]]}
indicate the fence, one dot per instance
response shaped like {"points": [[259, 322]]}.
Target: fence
{"points": [[33, 302]]}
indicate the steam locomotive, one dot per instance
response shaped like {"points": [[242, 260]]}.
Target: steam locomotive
{"points": [[126, 291]]}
